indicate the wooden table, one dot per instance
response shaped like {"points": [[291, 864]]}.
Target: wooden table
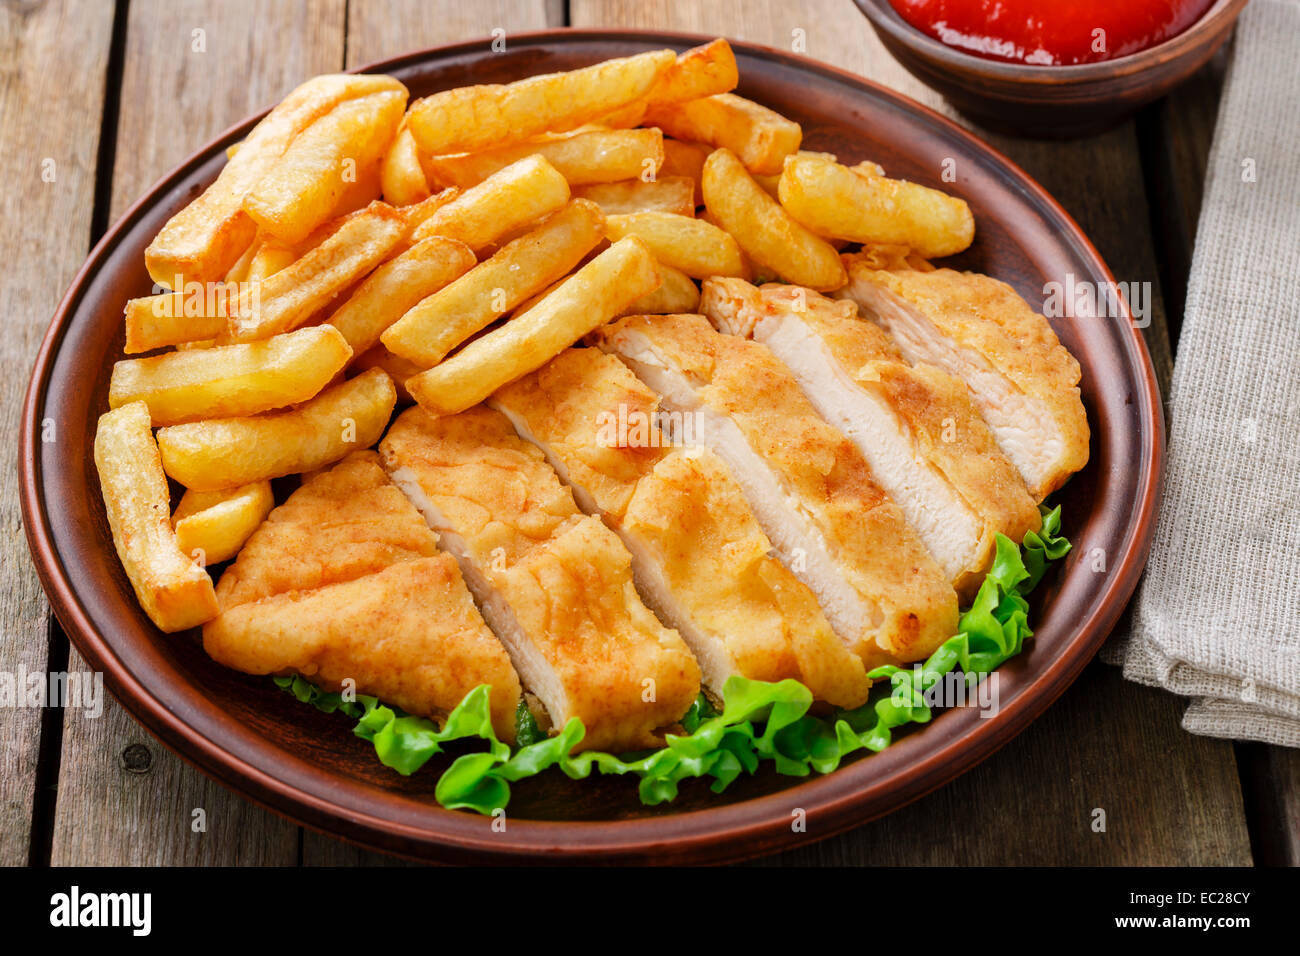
{"points": [[109, 96]]}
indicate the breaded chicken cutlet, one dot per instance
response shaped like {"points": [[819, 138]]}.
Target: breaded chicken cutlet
{"points": [[700, 557], [1024, 383], [338, 583], [808, 485], [926, 443], [555, 584]]}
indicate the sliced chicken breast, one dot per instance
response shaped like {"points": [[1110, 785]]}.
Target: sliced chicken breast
{"points": [[917, 427], [337, 585], [807, 484], [1024, 383], [555, 584], [700, 558]]}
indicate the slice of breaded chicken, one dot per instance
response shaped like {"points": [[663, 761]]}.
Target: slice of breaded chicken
{"points": [[700, 558], [926, 443], [345, 581], [808, 485], [1024, 383], [555, 584]]}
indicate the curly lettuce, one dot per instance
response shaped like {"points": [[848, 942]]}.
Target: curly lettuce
{"points": [[760, 721]]}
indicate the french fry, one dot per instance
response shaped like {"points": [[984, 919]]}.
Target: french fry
{"points": [[356, 198], [625, 117], [211, 526], [761, 137], [537, 297], [285, 300], [701, 71], [360, 191], [202, 241], [402, 177], [398, 369], [697, 72], [510, 198], [270, 256], [228, 452], [233, 380], [675, 194], [481, 117], [833, 200], [173, 318], [430, 330], [771, 184], [584, 157], [592, 296], [197, 344], [685, 159], [239, 271], [677, 295], [766, 232], [304, 186], [175, 592], [698, 248], [394, 288], [329, 228], [416, 213], [758, 275]]}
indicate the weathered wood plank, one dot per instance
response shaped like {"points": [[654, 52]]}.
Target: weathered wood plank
{"points": [[191, 69], [1169, 797], [378, 29], [1271, 784], [49, 126]]}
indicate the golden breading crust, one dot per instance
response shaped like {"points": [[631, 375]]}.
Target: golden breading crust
{"points": [[853, 341], [623, 672], [555, 583], [940, 420], [825, 473], [740, 609], [338, 584], [574, 406], [341, 524], [718, 562], [495, 489], [988, 318], [408, 634], [950, 434]]}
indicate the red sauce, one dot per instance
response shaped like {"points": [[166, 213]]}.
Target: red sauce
{"points": [[1051, 32]]}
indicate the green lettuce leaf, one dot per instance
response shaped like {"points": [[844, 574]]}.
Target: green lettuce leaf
{"points": [[759, 722]]}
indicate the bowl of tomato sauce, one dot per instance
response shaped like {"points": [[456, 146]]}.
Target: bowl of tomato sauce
{"points": [[1052, 68]]}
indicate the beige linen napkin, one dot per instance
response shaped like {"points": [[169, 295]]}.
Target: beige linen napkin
{"points": [[1217, 616]]}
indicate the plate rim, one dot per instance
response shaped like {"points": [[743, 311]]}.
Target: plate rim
{"points": [[715, 834]]}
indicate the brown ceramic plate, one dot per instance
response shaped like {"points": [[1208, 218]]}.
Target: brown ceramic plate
{"points": [[261, 742]]}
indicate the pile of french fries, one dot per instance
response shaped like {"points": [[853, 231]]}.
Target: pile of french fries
{"points": [[356, 252]]}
